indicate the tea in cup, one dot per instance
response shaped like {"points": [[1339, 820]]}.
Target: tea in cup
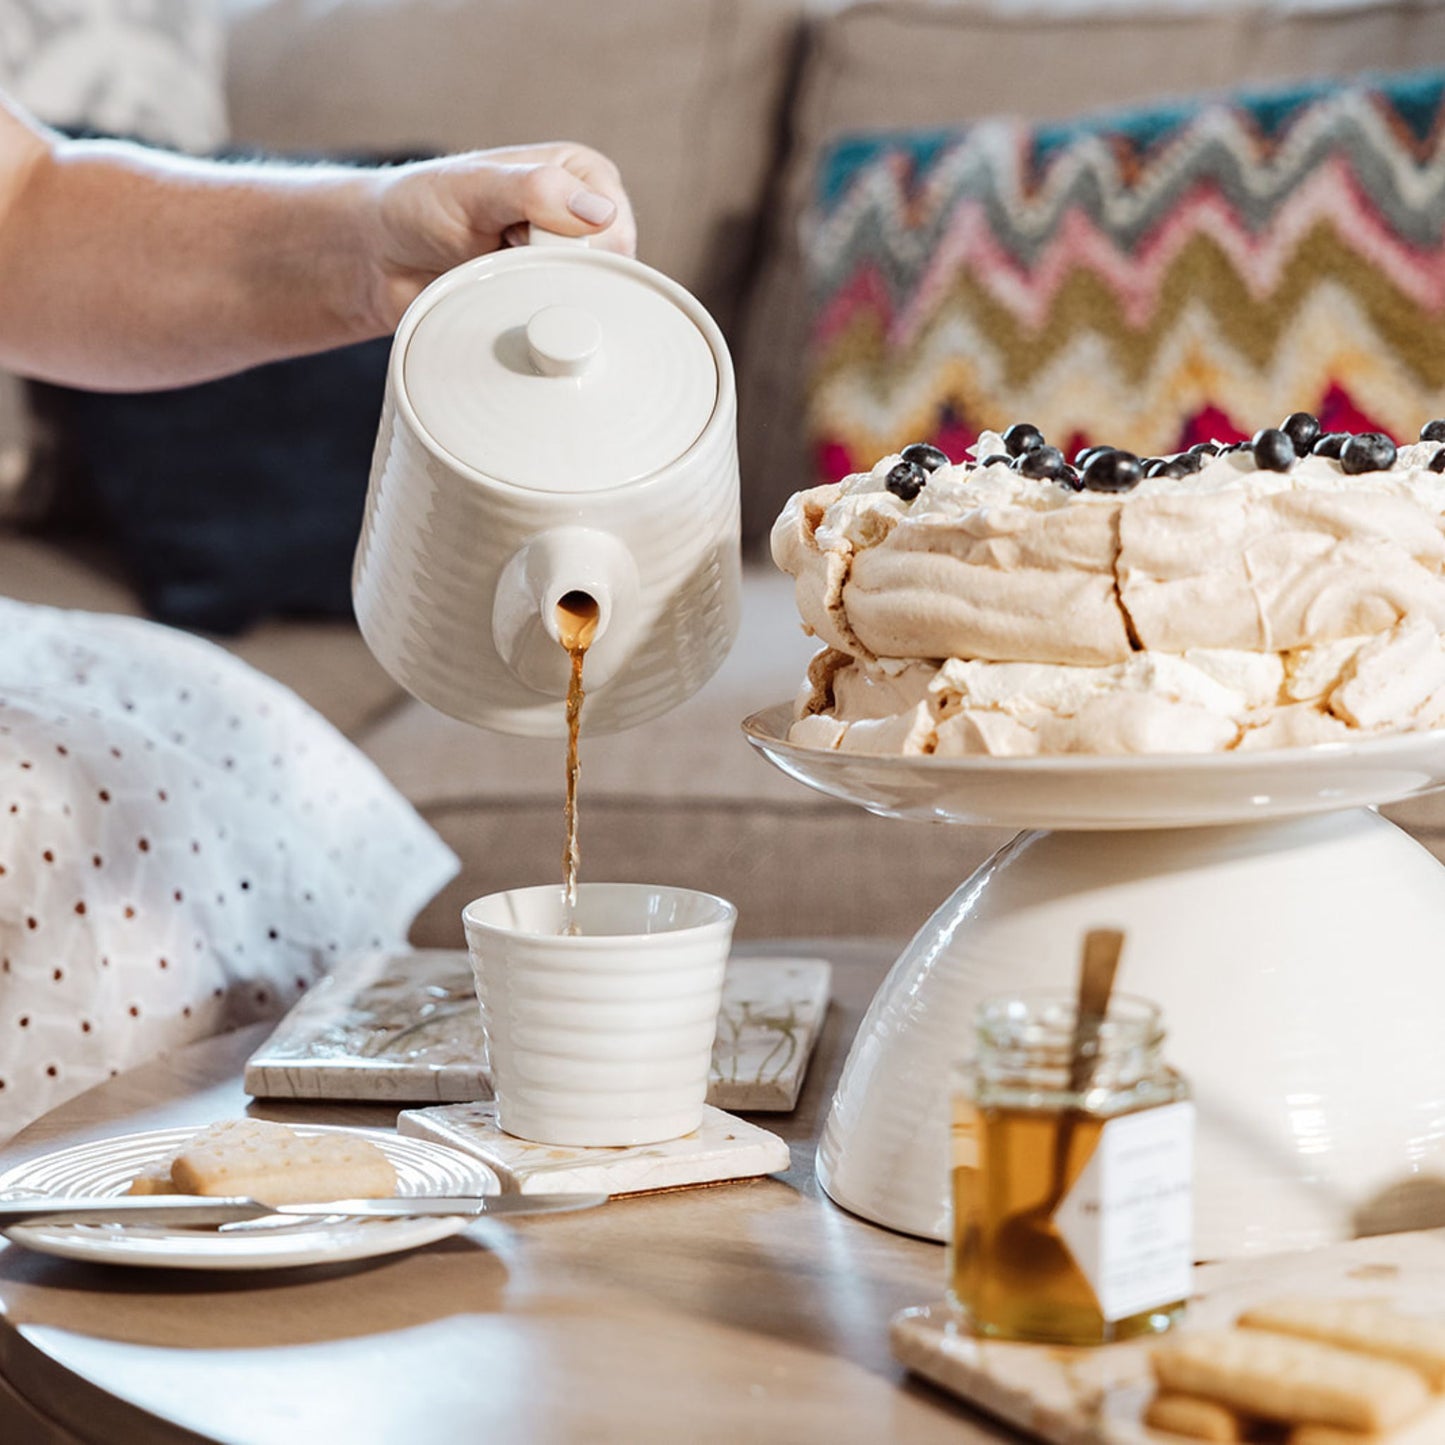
{"points": [[602, 1036]]}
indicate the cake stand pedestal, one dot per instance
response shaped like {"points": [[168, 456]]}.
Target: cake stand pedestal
{"points": [[1294, 939]]}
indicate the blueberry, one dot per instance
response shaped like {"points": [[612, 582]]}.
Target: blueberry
{"points": [[1203, 449], [1021, 437], [1041, 463], [906, 480], [1182, 466], [1112, 471], [1437, 462], [1233, 447], [1433, 431], [994, 457], [925, 455], [1070, 478], [1273, 449], [1083, 455], [1331, 445], [1154, 466], [1302, 429], [1369, 451]]}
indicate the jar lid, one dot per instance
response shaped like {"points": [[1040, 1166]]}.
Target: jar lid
{"points": [[560, 369]]}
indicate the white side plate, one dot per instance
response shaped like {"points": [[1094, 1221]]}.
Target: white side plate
{"points": [[106, 1168]]}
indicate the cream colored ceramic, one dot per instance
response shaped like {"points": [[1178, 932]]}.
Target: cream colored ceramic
{"points": [[1297, 961], [603, 1037], [557, 419]]}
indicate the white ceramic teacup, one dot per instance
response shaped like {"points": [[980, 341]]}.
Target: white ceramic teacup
{"points": [[603, 1037]]}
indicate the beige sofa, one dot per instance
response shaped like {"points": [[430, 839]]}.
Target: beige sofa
{"points": [[716, 112]]}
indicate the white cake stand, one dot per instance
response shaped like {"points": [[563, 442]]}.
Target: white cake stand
{"points": [[1294, 939]]}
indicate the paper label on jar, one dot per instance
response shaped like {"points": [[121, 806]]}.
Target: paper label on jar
{"points": [[1129, 1219]]}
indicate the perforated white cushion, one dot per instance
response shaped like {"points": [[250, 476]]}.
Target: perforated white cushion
{"points": [[184, 847]]}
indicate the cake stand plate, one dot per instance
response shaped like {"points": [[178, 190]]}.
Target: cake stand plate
{"points": [[1294, 939]]}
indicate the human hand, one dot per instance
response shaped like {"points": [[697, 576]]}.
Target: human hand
{"points": [[432, 215]]}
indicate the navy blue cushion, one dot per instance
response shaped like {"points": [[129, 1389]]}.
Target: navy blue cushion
{"points": [[235, 500]]}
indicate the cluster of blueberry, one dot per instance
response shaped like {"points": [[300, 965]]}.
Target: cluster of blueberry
{"points": [[1109, 469]]}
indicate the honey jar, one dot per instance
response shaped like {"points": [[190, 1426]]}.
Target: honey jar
{"points": [[1072, 1159]]}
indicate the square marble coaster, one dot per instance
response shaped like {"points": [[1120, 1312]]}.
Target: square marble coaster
{"points": [[721, 1148], [404, 1027]]}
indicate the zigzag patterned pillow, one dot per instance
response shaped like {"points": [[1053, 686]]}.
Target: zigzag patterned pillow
{"points": [[1150, 279]]}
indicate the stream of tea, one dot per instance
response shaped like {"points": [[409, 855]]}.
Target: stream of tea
{"points": [[577, 615]]}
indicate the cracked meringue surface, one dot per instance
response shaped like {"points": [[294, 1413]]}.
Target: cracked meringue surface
{"points": [[1237, 607]]}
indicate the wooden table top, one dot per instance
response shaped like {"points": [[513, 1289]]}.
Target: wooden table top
{"points": [[748, 1312]]}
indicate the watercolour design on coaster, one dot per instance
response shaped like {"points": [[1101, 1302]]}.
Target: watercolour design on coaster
{"points": [[722, 1148], [404, 1026], [772, 1013]]}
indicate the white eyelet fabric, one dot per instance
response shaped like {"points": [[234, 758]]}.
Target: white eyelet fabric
{"points": [[185, 846]]}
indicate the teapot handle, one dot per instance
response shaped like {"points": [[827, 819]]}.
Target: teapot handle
{"points": [[537, 236]]}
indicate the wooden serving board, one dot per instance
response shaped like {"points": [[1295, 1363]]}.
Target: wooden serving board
{"points": [[1097, 1396]]}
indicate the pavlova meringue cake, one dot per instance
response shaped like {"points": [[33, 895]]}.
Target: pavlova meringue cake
{"points": [[1278, 593]]}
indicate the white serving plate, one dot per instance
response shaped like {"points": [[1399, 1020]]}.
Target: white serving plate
{"points": [[1178, 790], [106, 1167]]}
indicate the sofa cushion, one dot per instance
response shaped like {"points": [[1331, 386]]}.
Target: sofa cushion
{"points": [[1154, 278], [686, 98], [235, 500], [922, 63], [154, 71], [325, 662]]}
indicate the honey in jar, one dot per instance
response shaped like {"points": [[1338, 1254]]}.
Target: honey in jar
{"points": [[1072, 1186]]}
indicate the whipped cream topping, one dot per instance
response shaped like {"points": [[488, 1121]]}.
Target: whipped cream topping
{"points": [[1235, 607]]}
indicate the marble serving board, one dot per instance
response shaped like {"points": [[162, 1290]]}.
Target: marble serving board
{"points": [[403, 1027], [1098, 1396]]}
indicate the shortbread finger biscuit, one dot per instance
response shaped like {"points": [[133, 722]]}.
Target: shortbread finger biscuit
{"points": [[1193, 1417], [1426, 1429], [154, 1178], [1293, 1380], [275, 1164], [1369, 1326]]}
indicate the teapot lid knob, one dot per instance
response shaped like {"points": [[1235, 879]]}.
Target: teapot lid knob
{"points": [[563, 340]]}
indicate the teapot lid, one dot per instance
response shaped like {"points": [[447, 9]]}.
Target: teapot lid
{"points": [[558, 368]]}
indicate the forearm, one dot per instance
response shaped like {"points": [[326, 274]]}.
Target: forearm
{"points": [[122, 268], [125, 269]]}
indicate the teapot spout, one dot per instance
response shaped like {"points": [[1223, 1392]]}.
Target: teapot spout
{"points": [[567, 587]]}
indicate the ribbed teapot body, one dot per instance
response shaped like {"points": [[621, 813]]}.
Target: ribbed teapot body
{"points": [[446, 551]]}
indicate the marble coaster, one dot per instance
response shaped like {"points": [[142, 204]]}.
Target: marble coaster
{"points": [[721, 1148], [403, 1027], [772, 1013]]}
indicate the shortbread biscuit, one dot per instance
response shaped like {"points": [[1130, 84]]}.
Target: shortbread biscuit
{"points": [[1426, 1429], [275, 1164], [154, 1178], [1369, 1326], [1297, 1381], [1193, 1417]]}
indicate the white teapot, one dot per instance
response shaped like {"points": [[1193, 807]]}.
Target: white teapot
{"points": [[558, 420]]}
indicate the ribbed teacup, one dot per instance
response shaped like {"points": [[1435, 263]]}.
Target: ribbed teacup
{"points": [[603, 1037]]}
